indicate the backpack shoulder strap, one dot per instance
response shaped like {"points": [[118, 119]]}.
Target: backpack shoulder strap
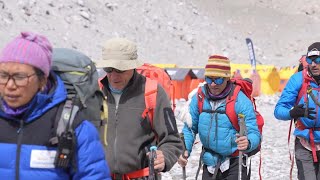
{"points": [[66, 120], [305, 83], [150, 96], [200, 96], [230, 107]]}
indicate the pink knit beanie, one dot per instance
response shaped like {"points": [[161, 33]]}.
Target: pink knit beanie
{"points": [[29, 48]]}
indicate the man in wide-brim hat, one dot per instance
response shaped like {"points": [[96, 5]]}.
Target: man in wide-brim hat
{"points": [[129, 135]]}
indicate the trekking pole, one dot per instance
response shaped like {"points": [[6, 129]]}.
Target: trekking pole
{"points": [[152, 156], [241, 133], [313, 97], [309, 92], [184, 174]]}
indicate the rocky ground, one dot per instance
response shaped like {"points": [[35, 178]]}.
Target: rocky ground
{"points": [[177, 31]]}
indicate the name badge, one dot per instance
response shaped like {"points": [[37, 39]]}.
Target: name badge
{"points": [[225, 165], [211, 169], [42, 158]]}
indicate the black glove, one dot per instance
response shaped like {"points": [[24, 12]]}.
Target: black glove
{"points": [[299, 111]]}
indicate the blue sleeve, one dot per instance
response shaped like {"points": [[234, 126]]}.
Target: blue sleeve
{"points": [[288, 97], [91, 163], [244, 106], [188, 138], [194, 112]]}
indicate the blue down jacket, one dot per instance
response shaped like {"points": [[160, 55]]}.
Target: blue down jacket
{"points": [[215, 129], [288, 100], [17, 147]]}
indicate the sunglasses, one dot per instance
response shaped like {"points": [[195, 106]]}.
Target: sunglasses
{"points": [[110, 69], [315, 60], [217, 81]]}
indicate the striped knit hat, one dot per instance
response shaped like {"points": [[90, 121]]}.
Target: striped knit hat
{"points": [[218, 66], [29, 48]]}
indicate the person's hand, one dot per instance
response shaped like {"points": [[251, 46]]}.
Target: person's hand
{"points": [[159, 162], [182, 161], [242, 142], [299, 110]]}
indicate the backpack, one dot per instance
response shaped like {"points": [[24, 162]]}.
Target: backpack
{"points": [[244, 85], [80, 77], [160, 75], [302, 63]]}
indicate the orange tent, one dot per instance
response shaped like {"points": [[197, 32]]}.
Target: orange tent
{"points": [[181, 79]]}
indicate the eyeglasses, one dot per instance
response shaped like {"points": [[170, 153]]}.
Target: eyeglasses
{"points": [[315, 60], [110, 69], [217, 81], [18, 79]]}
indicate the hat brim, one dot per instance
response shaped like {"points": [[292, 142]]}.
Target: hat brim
{"points": [[122, 65]]}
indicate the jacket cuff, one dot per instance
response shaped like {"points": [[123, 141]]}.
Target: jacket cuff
{"points": [[249, 145]]}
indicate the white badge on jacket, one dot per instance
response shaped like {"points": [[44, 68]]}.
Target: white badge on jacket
{"points": [[223, 167], [42, 158]]}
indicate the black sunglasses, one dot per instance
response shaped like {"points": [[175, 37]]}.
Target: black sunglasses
{"points": [[110, 69]]}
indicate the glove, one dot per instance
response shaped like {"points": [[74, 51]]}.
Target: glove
{"points": [[299, 110]]}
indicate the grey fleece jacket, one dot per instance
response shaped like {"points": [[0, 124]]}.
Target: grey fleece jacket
{"points": [[128, 141]]}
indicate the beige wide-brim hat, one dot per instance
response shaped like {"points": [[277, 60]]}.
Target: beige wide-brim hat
{"points": [[119, 53]]}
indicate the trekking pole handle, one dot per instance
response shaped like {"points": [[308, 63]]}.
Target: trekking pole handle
{"points": [[153, 148], [152, 156], [241, 124]]}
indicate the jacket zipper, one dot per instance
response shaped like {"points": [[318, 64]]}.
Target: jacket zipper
{"points": [[211, 119], [216, 132], [20, 134], [169, 119]]}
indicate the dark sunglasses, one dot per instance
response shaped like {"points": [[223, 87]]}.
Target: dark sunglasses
{"points": [[315, 60], [217, 81], [110, 69]]}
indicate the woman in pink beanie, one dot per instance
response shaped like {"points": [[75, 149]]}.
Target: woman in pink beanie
{"points": [[30, 98]]}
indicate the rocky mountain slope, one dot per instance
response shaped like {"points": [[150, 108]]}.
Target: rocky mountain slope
{"points": [[177, 31]]}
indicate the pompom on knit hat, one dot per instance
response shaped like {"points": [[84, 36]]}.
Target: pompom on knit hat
{"points": [[218, 66], [29, 48]]}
